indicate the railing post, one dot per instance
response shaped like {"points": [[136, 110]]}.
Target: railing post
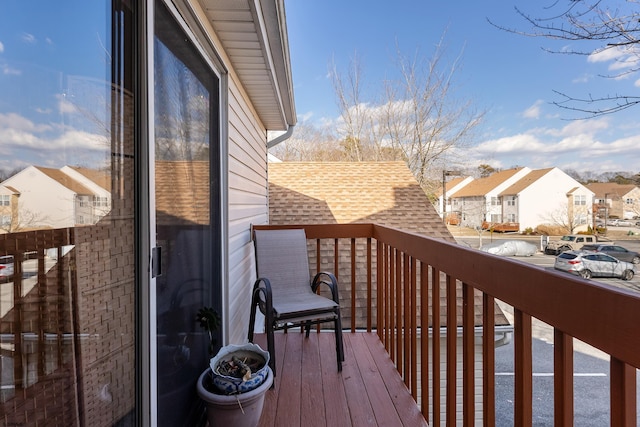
{"points": [[623, 393], [468, 359], [353, 285], [563, 379], [523, 415], [452, 336], [435, 347], [369, 286], [488, 361], [424, 340]]}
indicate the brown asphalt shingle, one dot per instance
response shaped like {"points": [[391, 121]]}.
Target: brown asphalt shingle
{"points": [[351, 192], [482, 186]]}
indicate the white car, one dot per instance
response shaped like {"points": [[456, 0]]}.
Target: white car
{"points": [[510, 248], [6, 266]]}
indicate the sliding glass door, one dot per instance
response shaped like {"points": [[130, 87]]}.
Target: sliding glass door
{"points": [[68, 290], [186, 130]]}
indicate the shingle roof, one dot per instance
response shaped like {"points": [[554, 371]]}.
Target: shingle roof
{"points": [[182, 192], [351, 192], [525, 181], [99, 177], [65, 180], [482, 186], [611, 188]]}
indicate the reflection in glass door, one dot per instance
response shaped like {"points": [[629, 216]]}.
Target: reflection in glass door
{"points": [[67, 134], [186, 187]]}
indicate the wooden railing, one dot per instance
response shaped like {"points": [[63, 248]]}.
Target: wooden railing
{"points": [[405, 270], [36, 328]]}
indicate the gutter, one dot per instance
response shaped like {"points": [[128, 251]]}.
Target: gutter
{"points": [[278, 139]]}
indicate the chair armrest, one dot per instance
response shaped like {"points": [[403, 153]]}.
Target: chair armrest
{"points": [[262, 292], [328, 279]]}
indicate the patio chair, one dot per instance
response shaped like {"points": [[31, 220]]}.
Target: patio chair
{"points": [[284, 291]]}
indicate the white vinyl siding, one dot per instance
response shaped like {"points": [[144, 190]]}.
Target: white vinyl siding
{"points": [[248, 204]]}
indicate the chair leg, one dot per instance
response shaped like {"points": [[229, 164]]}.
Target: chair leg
{"points": [[271, 348], [339, 343], [307, 329]]}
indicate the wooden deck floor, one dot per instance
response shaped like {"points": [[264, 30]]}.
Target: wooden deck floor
{"points": [[309, 390]]}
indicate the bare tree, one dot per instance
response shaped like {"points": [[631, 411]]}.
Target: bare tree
{"points": [[424, 119], [613, 29], [309, 143], [418, 118], [22, 220], [352, 110], [569, 217]]}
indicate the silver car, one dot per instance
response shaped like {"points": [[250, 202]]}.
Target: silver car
{"points": [[594, 264]]}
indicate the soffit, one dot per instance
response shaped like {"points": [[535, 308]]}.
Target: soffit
{"points": [[254, 36]]}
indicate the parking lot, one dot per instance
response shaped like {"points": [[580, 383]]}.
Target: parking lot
{"points": [[630, 242]]}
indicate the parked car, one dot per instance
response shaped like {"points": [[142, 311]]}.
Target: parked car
{"points": [[621, 223], [510, 248], [615, 251], [6, 267], [569, 242], [594, 264]]}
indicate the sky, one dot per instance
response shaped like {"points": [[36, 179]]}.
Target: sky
{"points": [[54, 84], [54, 89], [511, 77]]}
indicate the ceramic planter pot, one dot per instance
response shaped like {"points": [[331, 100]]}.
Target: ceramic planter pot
{"points": [[228, 384], [238, 410]]}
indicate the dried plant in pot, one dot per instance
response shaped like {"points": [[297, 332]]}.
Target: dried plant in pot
{"points": [[234, 385]]}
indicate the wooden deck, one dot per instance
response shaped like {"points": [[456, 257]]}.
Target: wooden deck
{"points": [[309, 390]]}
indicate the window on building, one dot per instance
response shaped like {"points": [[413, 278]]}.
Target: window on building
{"points": [[5, 200], [579, 200], [511, 217], [628, 201], [100, 202], [511, 201], [495, 201], [5, 220]]}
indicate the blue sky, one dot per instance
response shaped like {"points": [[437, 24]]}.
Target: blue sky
{"points": [[51, 78], [54, 84], [509, 76]]}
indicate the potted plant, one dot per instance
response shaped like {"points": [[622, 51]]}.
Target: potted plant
{"points": [[234, 385]]}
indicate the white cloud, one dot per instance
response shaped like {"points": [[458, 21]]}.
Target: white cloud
{"points": [[29, 38], [587, 145], [610, 53], [534, 111], [64, 106], [581, 79], [305, 117], [16, 122], [578, 127], [618, 57], [1, 47], [18, 132], [8, 71]]}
